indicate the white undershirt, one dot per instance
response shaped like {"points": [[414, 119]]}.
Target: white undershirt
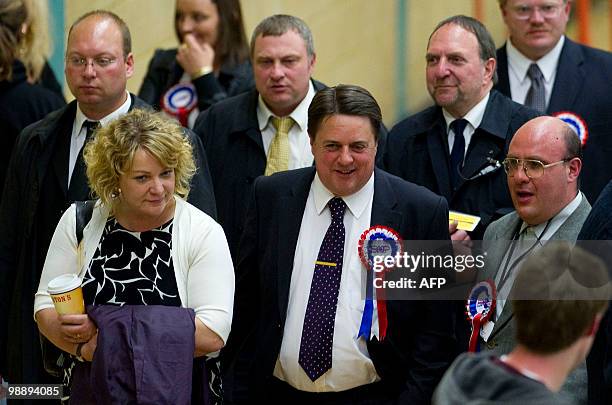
{"points": [[299, 142], [351, 363], [518, 64]]}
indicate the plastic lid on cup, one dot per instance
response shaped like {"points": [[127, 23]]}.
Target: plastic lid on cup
{"points": [[63, 283]]}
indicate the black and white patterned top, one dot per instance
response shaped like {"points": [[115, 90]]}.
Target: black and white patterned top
{"points": [[133, 268]]}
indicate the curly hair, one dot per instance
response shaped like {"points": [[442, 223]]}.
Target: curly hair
{"points": [[111, 153]]}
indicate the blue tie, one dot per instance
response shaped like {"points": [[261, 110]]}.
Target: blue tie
{"points": [[456, 157], [318, 331]]}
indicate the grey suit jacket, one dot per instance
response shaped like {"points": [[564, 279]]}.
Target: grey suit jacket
{"points": [[496, 242]]}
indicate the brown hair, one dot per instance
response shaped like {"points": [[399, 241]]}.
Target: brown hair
{"points": [[123, 28], [557, 295], [231, 46], [13, 15], [343, 99]]}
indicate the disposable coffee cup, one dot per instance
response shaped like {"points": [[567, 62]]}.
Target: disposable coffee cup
{"points": [[67, 295]]}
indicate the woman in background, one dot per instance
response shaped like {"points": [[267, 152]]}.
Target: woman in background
{"points": [[211, 64], [36, 47], [23, 100]]}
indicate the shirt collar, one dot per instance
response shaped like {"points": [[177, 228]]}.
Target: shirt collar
{"points": [[80, 118], [559, 218], [473, 117], [519, 63], [299, 114], [356, 202]]}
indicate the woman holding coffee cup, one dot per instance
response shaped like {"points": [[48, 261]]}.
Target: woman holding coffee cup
{"points": [[145, 249]]}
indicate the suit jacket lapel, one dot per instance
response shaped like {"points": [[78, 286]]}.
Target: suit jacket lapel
{"points": [[291, 212], [503, 81], [383, 204], [438, 153], [569, 78]]}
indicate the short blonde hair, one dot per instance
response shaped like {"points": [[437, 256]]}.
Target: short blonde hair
{"points": [[111, 153]]}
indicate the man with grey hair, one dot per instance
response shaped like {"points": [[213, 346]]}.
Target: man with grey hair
{"points": [[262, 131], [454, 148], [543, 166], [542, 68]]}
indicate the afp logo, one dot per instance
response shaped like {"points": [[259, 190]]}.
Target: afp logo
{"points": [[576, 122]]}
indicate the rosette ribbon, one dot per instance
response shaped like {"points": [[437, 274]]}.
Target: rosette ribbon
{"points": [[375, 241], [479, 307]]}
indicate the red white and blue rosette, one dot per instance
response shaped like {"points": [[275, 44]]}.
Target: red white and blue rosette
{"points": [[179, 100], [576, 122], [381, 241], [480, 307]]}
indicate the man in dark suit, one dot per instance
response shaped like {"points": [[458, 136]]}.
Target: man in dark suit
{"points": [[426, 149], [240, 134], [286, 290], [543, 165], [542, 68], [46, 174]]}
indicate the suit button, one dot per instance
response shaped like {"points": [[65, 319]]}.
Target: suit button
{"points": [[491, 344]]}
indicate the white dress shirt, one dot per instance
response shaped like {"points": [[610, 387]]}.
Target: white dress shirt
{"points": [[518, 64], [473, 117], [541, 239], [351, 363], [299, 142], [77, 140]]}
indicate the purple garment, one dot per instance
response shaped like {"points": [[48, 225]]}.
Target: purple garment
{"points": [[144, 355]]}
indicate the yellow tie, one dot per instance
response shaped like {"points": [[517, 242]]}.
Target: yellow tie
{"points": [[278, 155]]}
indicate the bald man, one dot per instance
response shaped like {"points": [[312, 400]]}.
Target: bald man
{"points": [[543, 165]]}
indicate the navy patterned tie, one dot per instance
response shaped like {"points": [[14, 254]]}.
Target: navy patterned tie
{"points": [[456, 156], [536, 96], [318, 330]]}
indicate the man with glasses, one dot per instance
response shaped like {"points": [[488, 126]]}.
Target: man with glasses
{"points": [[542, 68], [46, 174], [543, 165]]}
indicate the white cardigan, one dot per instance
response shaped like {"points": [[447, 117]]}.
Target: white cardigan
{"points": [[200, 254]]}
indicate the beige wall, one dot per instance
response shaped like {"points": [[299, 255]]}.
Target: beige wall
{"points": [[355, 40]]}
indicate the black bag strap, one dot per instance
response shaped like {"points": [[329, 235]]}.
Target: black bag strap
{"points": [[84, 210]]}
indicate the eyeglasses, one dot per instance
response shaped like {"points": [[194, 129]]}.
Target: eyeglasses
{"points": [[523, 12], [101, 62], [532, 168]]}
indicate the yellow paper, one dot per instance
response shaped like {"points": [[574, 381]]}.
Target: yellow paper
{"points": [[466, 222]]}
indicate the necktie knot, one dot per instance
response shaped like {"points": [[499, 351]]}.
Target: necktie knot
{"points": [[534, 72], [337, 206], [282, 125], [90, 127], [458, 126], [528, 233]]}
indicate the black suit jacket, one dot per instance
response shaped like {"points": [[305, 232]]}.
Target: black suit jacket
{"points": [[236, 156], [417, 151], [583, 85], [419, 344]]}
